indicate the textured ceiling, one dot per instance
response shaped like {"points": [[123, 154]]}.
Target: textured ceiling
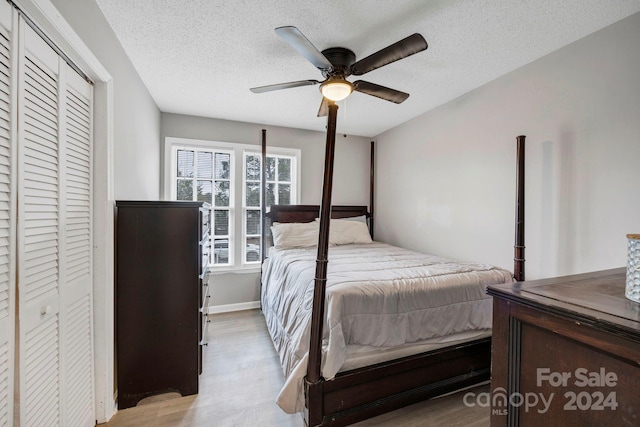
{"points": [[200, 57]]}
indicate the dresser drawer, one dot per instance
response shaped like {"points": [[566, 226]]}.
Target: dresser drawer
{"points": [[204, 327], [205, 299], [205, 255], [204, 318]]}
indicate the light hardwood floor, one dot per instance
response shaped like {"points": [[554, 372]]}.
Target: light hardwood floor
{"points": [[242, 377]]}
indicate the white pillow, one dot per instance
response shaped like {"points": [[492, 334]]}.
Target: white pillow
{"points": [[294, 234], [361, 218], [348, 231]]}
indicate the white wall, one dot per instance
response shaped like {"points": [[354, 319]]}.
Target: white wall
{"points": [[446, 179], [350, 186], [136, 116]]}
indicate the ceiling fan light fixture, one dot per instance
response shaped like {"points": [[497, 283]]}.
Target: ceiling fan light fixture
{"points": [[336, 89]]}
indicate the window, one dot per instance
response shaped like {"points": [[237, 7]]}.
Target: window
{"points": [[278, 175], [227, 176], [205, 176]]}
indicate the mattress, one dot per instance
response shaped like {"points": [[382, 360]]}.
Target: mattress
{"points": [[382, 302]]}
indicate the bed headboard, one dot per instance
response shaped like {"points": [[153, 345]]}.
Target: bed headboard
{"points": [[308, 213]]}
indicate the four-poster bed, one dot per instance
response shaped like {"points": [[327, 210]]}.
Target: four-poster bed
{"points": [[365, 391]]}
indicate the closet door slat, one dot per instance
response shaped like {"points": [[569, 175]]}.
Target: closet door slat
{"points": [[8, 114]]}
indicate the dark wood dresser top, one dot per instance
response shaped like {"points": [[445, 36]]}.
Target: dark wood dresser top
{"points": [[595, 298]]}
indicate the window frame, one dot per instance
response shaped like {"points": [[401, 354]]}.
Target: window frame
{"points": [[293, 182], [237, 208], [195, 178]]}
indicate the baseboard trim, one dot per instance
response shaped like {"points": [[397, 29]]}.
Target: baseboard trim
{"points": [[228, 308]]}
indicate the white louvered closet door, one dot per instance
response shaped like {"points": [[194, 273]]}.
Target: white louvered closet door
{"points": [[7, 216], [54, 239], [76, 273]]}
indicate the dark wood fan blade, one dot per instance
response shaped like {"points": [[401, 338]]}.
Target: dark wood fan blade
{"points": [[324, 107], [406, 47], [380, 91], [269, 88], [299, 42]]}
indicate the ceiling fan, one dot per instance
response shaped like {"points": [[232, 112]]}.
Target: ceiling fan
{"points": [[338, 63]]}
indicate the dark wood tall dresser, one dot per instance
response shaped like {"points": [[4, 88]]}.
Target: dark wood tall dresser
{"points": [[566, 352], [161, 292]]}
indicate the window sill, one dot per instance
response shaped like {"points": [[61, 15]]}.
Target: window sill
{"points": [[245, 269]]}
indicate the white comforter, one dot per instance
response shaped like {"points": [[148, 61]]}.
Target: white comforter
{"points": [[377, 296]]}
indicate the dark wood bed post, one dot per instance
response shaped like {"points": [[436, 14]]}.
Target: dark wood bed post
{"points": [[314, 379], [518, 258], [263, 198], [317, 316], [371, 187]]}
